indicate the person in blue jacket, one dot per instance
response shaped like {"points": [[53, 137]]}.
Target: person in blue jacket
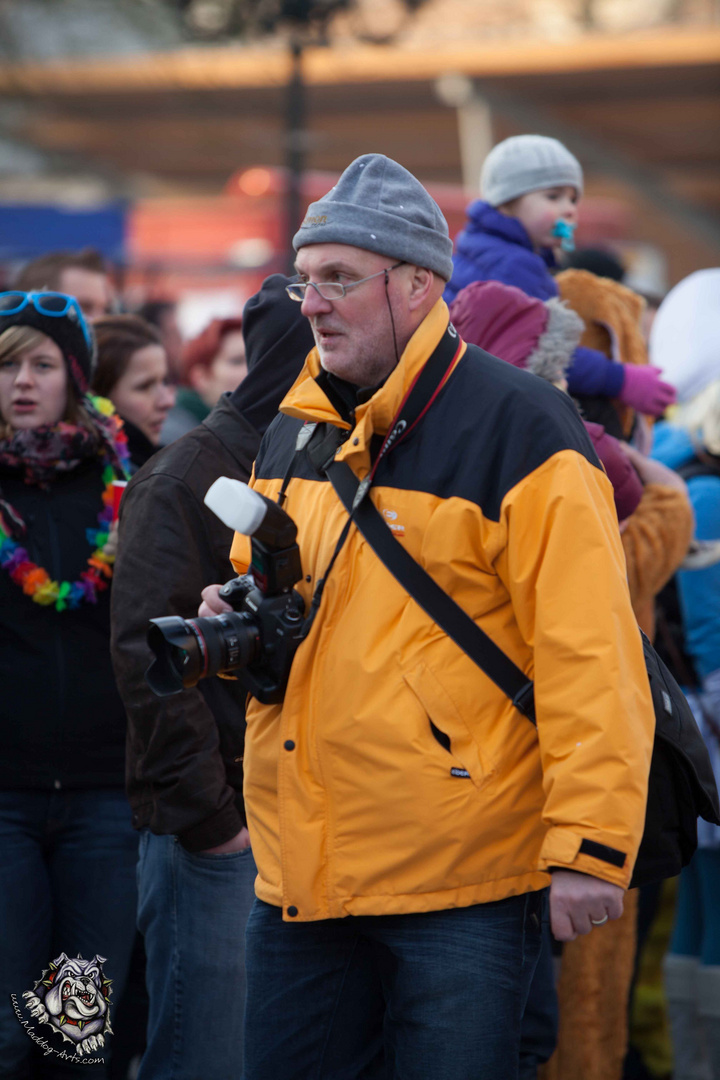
{"points": [[685, 341], [531, 187]]}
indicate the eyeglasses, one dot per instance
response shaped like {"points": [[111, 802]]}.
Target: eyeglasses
{"points": [[56, 305], [331, 290]]}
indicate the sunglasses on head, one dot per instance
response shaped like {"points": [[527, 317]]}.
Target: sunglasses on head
{"points": [[53, 304]]}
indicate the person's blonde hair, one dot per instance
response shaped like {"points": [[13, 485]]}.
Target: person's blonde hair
{"points": [[18, 339]]}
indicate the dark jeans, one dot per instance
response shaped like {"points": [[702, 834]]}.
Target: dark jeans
{"points": [[539, 1032], [67, 884], [442, 992], [193, 910]]}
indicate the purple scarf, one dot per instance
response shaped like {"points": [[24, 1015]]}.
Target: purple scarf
{"points": [[41, 454]]}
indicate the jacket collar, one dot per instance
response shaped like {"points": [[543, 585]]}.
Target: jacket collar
{"points": [[139, 446], [239, 438], [306, 400]]}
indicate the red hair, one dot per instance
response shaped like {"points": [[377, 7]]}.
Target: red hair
{"points": [[204, 348]]}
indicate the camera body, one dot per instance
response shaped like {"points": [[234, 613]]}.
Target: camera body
{"points": [[274, 620], [257, 640]]}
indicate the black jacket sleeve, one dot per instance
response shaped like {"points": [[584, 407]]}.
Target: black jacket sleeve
{"points": [[184, 753]]}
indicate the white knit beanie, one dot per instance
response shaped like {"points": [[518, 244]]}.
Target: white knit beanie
{"points": [[526, 163]]}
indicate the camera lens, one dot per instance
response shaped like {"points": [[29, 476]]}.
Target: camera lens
{"points": [[187, 650]]}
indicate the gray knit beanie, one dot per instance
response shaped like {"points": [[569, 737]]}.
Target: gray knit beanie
{"points": [[526, 163], [379, 206]]}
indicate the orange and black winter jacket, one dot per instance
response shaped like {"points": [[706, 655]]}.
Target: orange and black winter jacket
{"points": [[395, 776]]}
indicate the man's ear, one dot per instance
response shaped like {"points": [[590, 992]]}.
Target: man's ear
{"points": [[423, 284]]}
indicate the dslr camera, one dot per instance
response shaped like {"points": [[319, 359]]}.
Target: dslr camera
{"points": [[259, 637]]}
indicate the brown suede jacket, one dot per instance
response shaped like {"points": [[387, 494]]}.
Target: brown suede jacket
{"points": [[184, 753]]}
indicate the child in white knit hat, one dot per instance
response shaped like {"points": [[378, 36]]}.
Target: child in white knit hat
{"points": [[531, 186]]}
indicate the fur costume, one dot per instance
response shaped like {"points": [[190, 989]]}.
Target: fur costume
{"points": [[655, 541], [611, 313]]}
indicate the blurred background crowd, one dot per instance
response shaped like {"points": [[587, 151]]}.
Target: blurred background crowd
{"points": [[156, 157]]}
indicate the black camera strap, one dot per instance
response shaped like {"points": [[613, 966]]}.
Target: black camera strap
{"points": [[321, 441], [420, 395]]}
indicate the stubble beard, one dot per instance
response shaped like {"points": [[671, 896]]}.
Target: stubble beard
{"points": [[370, 365]]}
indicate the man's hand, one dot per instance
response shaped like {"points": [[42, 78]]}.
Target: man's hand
{"points": [[576, 899], [238, 843], [211, 602]]}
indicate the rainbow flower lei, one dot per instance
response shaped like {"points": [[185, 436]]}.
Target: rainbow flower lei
{"points": [[34, 580]]}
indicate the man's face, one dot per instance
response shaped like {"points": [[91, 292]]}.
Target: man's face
{"points": [[92, 291], [354, 336]]}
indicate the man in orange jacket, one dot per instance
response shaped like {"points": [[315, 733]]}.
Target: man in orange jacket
{"points": [[406, 820]]}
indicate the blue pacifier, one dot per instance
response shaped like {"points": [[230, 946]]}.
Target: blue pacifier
{"points": [[564, 230]]}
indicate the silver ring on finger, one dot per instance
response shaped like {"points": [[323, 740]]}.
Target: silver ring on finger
{"points": [[600, 922]]}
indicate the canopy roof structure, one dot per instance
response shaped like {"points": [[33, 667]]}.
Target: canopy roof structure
{"points": [[641, 110]]}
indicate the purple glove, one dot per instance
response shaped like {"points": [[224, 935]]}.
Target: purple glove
{"points": [[645, 391]]}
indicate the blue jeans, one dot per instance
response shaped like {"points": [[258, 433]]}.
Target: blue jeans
{"points": [[444, 991], [539, 1031], [192, 912], [67, 884], [697, 918]]}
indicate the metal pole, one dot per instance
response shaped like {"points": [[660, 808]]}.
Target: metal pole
{"points": [[295, 149], [476, 139]]}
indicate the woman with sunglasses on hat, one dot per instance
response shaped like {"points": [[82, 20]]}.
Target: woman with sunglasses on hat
{"points": [[67, 847]]}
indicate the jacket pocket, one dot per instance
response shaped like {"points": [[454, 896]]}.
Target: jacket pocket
{"points": [[446, 725]]}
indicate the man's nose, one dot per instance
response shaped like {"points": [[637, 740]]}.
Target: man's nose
{"points": [[314, 303]]}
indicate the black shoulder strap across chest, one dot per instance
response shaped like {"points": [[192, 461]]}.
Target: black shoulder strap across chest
{"points": [[434, 601]]}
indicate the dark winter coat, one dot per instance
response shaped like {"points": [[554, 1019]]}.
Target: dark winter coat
{"points": [[184, 753], [61, 718], [496, 247]]}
